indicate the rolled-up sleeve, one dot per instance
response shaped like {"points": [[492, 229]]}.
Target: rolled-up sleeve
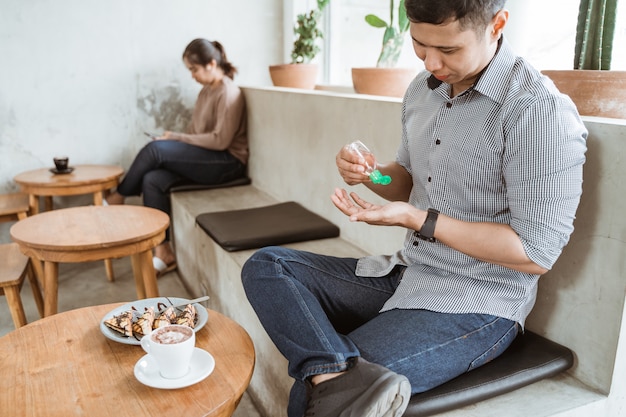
{"points": [[543, 169]]}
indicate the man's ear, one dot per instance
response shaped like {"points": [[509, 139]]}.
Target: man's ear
{"points": [[499, 22]]}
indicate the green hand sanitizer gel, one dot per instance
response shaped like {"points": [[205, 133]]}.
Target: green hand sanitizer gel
{"points": [[370, 163]]}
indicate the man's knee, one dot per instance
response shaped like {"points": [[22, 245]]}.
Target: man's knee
{"points": [[252, 266]]}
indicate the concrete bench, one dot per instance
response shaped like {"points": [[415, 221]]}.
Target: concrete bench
{"points": [[208, 268], [198, 187]]}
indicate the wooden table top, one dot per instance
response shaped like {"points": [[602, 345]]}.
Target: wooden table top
{"points": [[84, 228], [63, 365], [84, 179]]}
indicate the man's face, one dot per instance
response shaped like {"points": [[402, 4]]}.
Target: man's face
{"points": [[453, 56]]}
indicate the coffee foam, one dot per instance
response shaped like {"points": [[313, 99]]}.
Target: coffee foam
{"points": [[171, 335]]}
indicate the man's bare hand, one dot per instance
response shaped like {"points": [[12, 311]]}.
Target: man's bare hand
{"points": [[359, 210]]}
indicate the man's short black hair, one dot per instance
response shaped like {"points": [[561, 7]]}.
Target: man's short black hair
{"points": [[475, 14]]}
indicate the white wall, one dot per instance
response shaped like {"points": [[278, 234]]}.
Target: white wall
{"points": [[86, 77]]}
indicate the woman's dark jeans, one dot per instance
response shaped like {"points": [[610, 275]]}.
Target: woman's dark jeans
{"points": [[163, 164]]}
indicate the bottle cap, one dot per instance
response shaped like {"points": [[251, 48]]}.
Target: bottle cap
{"points": [[378, 178]]}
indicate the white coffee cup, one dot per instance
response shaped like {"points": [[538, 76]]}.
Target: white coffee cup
{"points": [[171, 347]]}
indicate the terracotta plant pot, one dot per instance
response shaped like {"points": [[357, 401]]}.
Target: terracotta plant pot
{"points": [[595, 93], [382, 81], [294, 75]]}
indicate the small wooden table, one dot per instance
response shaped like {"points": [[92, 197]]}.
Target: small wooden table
{"points": [[90, 233], [84, 179], [64, 366]]}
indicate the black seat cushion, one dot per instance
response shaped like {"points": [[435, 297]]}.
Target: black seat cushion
{"points": [[265, 226], [530, 358], [193, 186]]}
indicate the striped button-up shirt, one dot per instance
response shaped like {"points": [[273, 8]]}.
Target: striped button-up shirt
{"points": [[509, 150]]}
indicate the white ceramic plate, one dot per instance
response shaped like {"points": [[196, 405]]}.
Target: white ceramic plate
{"points": [[147, 371], [140, 306]]}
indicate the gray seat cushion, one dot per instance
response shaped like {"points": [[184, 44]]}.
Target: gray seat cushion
{"points": [[265, 226], [530, 358]]}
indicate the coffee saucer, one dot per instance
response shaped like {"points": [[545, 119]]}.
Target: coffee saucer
{"points": [[62, 171], [201, 366]]}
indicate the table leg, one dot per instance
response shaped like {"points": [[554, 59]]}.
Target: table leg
{"points": [[38, 267], [145, 276], [48, 204], [50, 288], [34, 278], [98, 196], [33, 202], [108, 265]]}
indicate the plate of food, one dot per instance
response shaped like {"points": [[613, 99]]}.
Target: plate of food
{"points": [[130, 322]]}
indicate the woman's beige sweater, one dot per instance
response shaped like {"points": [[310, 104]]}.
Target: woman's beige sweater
{"points": [[219, 120]]}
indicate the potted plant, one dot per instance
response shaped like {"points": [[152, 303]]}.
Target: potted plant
{"points": [[385, 79], [301, 72], [594, 88]]}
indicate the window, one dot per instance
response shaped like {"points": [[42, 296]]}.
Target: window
{"points": [[544, 32]]}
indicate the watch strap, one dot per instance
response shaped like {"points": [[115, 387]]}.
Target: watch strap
{"points": [[427, 231]]}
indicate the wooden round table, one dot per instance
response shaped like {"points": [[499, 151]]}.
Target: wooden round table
{"points": [[84, 179], [64, 366], [90, 233]]}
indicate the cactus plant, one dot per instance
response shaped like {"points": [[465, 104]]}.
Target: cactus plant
{"points": [[394, 36]]}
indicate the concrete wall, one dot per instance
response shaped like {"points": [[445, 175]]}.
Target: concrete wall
{"points": [[85, 78], [581, 300], [303, 126]]}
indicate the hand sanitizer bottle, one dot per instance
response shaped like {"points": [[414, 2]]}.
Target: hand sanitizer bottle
{"points": [[370, 163]]}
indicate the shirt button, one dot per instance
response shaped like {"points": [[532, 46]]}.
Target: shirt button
{"points": [[437, 142], [415, 243], [430, 179], [448, 104]]}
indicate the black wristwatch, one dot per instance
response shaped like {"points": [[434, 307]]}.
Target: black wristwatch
{"points": [[427, 232]]}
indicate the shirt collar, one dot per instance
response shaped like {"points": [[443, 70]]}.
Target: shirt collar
{"points": [[492, 83], [489, 81]]}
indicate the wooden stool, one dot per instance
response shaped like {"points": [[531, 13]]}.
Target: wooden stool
{"points": [[13, 267], [13, 207]]}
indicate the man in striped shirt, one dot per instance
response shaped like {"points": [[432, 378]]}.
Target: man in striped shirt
{"points": [[487, 180]]}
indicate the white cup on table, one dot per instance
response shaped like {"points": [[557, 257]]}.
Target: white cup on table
{"points": [[171, 347]]}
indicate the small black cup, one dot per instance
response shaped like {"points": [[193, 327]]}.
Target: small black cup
{"points": [[61, 163]]}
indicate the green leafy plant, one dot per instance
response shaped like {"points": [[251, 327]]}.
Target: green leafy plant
{"points": [[307, 32], [394, 36]]}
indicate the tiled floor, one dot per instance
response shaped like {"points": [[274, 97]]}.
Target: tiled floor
{"points": [[85, 284]]}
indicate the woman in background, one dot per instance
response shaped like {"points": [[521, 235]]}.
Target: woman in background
{"points": [[213, 150]]}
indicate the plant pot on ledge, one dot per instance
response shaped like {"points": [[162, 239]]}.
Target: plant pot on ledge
{"points": [[300, 73], [386, 79], [391, 82], [599, 93], [294, 75]]}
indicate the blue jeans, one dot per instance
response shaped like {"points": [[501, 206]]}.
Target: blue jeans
{"points": [[163, 164], [319, 314]]}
